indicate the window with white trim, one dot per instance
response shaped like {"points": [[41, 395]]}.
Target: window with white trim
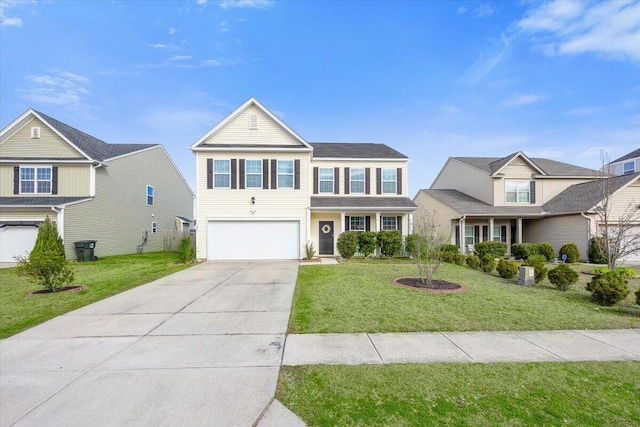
{"points": [[154, 227], [629, 167], [285, 173], [253, 173], [150, 195], [389, 223], [356, 180], [222, 173], [357, 223], [35, 179], [468, 235], [517, 191], [389, 181], [325, 180], [497, 234]]}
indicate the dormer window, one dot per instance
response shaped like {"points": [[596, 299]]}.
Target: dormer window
{"points": [[517, 191], [35, 132], [629, 167], [253, 121]]}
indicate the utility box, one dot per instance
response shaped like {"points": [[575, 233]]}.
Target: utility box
{"points": [[527, 276], [84, 250]]}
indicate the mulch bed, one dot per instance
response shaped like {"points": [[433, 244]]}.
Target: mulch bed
{"points": [[435, 286], [74, 288]]}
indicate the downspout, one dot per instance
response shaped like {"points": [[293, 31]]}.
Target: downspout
{"points": [[588, 231], [59, 220]]}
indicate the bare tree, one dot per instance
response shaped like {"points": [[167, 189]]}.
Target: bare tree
{"points": [[616, 232], [425, 248]]}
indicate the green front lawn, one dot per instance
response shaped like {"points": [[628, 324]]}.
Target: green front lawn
{"points": [[359, 296], [105, 277], [511, 394]]}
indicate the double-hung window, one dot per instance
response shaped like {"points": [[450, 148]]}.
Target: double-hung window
{"points": [[325, 180], [389, 181], [629, 167], [222, 173], [389, 223], [517, 191], [150, 195], [285, 173], [468, 235], [357, 223], [35, 180], [253, 173], [356, 180]]}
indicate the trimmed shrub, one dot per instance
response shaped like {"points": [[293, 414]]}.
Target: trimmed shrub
{"points": [[187, 254], [507, 269], [347, 244], [638, 297], [525, 250], [473, 261], [626, 271], [537, 262], [563, 277], [448, 247], [453, 258], [520, 251], [390, 242], [461, 259], [600, 270], [597, 251], [495, 249], [608, 289], [410, 243], [572, 252], [546, 250], [367, 243], [487, 263]]}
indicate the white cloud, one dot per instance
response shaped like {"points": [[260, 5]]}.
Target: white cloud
{"points": [[201, 1], [483, 10], [519, 99], [224, 27], [163, 46], [570, 27], [462, 9], [172, 31], [9, 21], [180, 58], [245, 4], [487, 61], [59, 88], [582, 111]]}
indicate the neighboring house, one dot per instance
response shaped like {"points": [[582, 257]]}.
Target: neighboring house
{"points": [[120, 195], [518, 199], [264, 191], [625, 165]]}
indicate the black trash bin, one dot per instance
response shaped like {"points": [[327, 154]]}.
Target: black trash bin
{"points": [[84, 250]]}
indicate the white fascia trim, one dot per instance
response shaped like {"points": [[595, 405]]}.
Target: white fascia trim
{"points": [[64, 205], [252, 219], [60, 135], [132, 152], [52, 160], [525, 158], [361, 209], [357, 159], [562, 177], [293, 149]]}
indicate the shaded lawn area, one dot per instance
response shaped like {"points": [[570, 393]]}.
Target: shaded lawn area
{"points": [[513, 394], [359, 296], [106, 277]]}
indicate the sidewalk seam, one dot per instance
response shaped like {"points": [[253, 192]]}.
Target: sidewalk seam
{"points": [[376, 349]]}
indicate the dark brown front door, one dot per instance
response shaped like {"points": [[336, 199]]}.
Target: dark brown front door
{"points": [[326, 237]]}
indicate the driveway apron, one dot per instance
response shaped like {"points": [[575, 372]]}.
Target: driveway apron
{"points": [[200, 347]]}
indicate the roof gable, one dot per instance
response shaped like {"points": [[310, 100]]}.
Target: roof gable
{"points": [[552, 168], [632, 155], [499, 166], [48, 145]]}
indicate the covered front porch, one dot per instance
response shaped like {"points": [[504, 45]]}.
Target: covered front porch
{"points": [[470, 230]]}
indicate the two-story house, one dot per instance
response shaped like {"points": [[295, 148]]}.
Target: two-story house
{"points": [[518, 199], [121, 195], [264, 191], [625, 165]]}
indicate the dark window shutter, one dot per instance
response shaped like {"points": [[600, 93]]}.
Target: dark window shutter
{"points": [[367, 181], [16, 180], [54, 180], [265, 174], [234, 175], [296, 174], [476, 234], [241, 183], [336, 180], [503, 233], [457, 235], [399, 181], [347, 223], [532, 191], [274, 174], [399, 220], [315, 180], [346, 180], [209, 173], [378, 180], [367, 223], [485, 233]]}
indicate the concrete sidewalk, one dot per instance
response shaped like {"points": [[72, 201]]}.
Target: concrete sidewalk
{"points": [[456, 347]]}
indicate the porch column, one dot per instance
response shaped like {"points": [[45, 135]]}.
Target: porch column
{"points": [[409, 223], [378, 221], [491, 229], [462, 235], [519, 230], [342, 224], [308, 224]]}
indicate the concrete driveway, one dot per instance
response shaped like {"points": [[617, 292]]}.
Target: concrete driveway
{"points": [[199, 347]]}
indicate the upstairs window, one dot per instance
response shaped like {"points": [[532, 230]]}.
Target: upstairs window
{"points": [[356, 180], [150, 195], [325, 180], [517, 191], [389, 181], [35, 180], [285, 173], [253, 173], [629, 167], [222, 173]]}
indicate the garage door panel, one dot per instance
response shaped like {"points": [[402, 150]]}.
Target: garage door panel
{"points": [[16, 241], [254, 239]]}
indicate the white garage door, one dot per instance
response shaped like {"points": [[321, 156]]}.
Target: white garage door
{"points": [[16, 240], [254, 240]]}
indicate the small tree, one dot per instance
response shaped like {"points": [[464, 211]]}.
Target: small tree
{"points": [[367, 243], [186, 253], [426, 246], [47, 263]]}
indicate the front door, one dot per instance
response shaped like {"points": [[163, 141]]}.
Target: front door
{"points": [[326, 237]]}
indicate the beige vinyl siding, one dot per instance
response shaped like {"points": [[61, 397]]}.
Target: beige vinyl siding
{"points": [[623, 200], [547, 189], [73, 180], [518, 169], [445, 215], [48, 145], [238, 132], [26, 214], [372, 165], [118, 214], [459, 176], [227, 203], [6, 180], [559, 230]]}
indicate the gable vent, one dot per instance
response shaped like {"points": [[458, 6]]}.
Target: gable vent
{"points": [[35, 132], [253, 121]]}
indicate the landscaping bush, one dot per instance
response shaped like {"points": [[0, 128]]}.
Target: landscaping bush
{"points": [[520, 251], [600, 270], [390, 242], [460, 259], [608, 288], [453, 258], [347, 244], [597, 251], [546, 250], [495, 249], [537, 262], [525, 250], [473, 261], [638, 297], [563, 277], [487, 263], [626, 271], [572, 252], [410, 243], [507, 269], [186, 253], [448, 247], [367, 243]]}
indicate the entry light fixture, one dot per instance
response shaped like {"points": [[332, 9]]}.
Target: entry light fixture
{"points": [[253, 200]]}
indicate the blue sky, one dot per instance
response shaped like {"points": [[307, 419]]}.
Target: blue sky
{"points": [[555, 79]]}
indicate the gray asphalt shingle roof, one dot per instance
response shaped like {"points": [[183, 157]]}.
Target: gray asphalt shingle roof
{"points": [[550, 167], [401, 203], [90, 145], [468, 205], [631, 155], [39, 201], [354, 150]]}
